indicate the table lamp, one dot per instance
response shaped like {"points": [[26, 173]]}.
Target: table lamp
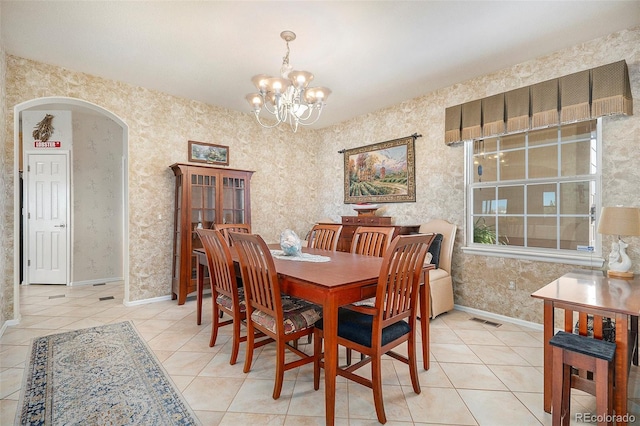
{"points": [[619, 221]]}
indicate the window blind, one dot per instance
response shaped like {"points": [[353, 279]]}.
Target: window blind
{"points": [[516, 104], [452, 124], [611, 90], [574, 97], [493, 115], [544, 104], [471, 120], [581, 96]]}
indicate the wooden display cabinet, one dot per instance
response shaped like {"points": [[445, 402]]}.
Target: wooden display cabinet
{"points": [[204, 195]]}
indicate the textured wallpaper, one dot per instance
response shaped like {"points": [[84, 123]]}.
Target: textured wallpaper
{"points": [[6, 207], [97, 199], [298, 177]]}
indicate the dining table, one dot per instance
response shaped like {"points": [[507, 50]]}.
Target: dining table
{"points": [[344, 279], [592, 292]]}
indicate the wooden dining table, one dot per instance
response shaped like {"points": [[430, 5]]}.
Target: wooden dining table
{"points": [[594, 293], [344, 279]]}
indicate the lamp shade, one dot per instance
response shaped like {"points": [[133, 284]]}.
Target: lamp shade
{"points": [[620, 221]]}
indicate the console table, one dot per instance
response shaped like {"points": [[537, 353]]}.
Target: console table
{"points": [[351, 223], [592, 292]]}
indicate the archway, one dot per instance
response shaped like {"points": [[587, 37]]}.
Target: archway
{"points": [[81, 109]]}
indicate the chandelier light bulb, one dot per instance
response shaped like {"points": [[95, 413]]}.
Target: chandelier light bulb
{"points": [[260, 81], [255, 100], [277, 85], [300, 79]]}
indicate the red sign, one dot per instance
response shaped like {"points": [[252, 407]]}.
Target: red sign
{"points": [[47, 144]]}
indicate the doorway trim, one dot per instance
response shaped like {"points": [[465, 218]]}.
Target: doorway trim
{"points": [[74, 104]]}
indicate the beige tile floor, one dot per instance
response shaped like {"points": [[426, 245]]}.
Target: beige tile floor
{"points": [[479, 375]]}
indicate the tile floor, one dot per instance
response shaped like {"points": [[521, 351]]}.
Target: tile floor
{"points": [[479, 375]]}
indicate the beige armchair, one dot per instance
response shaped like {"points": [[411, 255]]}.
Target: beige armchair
{"points": [[440, 279]]}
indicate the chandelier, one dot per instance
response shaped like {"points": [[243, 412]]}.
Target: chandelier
{"points": [[287, 98]]}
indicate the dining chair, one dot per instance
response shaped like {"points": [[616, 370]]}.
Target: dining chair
{"points": [[283, 318], [375, 331], [370, 241], [225, 228], [324, 236], [227, 297]]}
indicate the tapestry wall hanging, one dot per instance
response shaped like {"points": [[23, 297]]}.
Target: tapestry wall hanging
{"points": [[383, 172]]}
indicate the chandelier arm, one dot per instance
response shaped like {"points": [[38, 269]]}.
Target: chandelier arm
{"points": [[307, 114], [273, 111], [266, 126], [312, 122]]}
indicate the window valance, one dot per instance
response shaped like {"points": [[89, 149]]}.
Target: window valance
{"points": [[584, 95]]}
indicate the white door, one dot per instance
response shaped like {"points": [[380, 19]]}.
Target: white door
{"points": [[46, 218]]}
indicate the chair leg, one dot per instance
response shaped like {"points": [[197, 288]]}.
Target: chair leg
{"points": [[565, 411], [248, 357], [413, 364], [557, 387], [236, 341], [376, 382], [214, 326], [603, 382], [348, 351], [317, 354], [277, 387]]}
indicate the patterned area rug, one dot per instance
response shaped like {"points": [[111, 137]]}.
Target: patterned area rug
{"points": [[98, 376]]}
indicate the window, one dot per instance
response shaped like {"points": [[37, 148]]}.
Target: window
{"points": [[535, 194]]}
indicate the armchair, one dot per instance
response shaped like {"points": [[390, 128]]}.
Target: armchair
{"points": [[440, 278]]}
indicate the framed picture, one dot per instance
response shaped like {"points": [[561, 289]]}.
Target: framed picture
{"points": [[381, 173], [209, 153]]}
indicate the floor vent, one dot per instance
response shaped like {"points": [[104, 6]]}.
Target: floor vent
{"points": [[495, 324], [107, 298], [57, 296], [99, 284]]}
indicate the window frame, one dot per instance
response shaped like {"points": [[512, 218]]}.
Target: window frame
{"points": [[593, 258]]}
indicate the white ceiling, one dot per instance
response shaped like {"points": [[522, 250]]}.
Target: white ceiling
{"points": [[371, 54]]}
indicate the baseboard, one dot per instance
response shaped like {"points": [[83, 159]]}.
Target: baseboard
{"points": [[97, 281], [6, 324], [147, 301], [500, 318]]}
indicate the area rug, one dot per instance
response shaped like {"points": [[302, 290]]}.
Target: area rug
{"points": [[103, 375]]}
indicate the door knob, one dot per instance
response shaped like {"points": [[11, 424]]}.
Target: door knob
{"points": [[59, 226]]}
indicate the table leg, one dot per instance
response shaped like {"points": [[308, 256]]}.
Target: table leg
{"points": [[330, 326], [200, 285], [621, 376], [425, 302], [634, 338], [548, 354]]}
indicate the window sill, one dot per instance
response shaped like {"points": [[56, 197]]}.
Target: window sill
{"points": [[590, 260]]}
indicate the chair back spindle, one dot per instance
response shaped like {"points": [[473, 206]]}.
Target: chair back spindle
{"points": [[399, 282], [325, 236], [372, 240], [225, 228], [261, 284], [220, 262]]}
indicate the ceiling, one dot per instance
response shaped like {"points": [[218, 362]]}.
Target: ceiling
{"points": [[371, 54]]}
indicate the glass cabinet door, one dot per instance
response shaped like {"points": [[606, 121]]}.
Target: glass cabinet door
{"points": [[203, 201], [234, 192]]}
